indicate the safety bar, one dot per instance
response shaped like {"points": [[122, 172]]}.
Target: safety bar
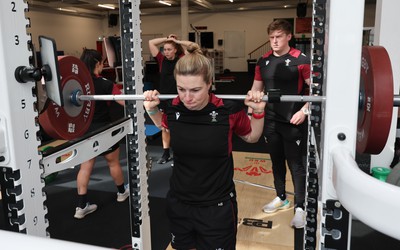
{"points": [[87, 149], [374, 202]]}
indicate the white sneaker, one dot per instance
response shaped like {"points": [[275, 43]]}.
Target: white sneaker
{"points": [[299, 218], [122, 197], [275, 205], [80, 213]]}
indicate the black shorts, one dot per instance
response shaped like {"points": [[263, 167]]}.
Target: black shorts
{"points": [[202, 227]]}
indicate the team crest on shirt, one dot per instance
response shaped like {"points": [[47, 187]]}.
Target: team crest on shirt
{"points": [[177, 115], [213, 116], [298, 142], [287, 61], [266, 63]]}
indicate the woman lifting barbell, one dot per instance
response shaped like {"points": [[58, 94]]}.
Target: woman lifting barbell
{"points": [[94, 62], [202, 197]]}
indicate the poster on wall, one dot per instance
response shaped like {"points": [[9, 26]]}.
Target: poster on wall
{"points": [[234, 44], [303, 25]]}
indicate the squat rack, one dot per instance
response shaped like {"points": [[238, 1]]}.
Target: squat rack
{"points": [[341, 184]]}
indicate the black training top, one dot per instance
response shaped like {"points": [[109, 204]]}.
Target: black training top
{"points": [[202, 145], [287, 73], [167, 79], [103, 86]]}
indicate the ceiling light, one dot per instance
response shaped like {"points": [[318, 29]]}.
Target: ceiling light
{"points": [[164, 2], [67, 10], [204, 4], [107, 6], [231, 1]]}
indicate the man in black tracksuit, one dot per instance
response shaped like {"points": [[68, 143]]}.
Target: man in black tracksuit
{"points": [[287, 69]]}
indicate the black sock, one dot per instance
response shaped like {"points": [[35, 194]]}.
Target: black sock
{"points": [[282, 196], [166, 152], [82, 200], [121, 188]]}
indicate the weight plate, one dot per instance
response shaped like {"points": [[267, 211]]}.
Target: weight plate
{"points": [[70, 121], [376, 100]]}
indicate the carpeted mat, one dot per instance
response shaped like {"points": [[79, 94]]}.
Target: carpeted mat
{"points": [[257, 168], [256, 229]]}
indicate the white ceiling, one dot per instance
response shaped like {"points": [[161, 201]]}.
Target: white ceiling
{"points": [[153, 7]]}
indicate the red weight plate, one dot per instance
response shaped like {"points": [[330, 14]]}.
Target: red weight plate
{"points": [[376, 100], [70, 122]]}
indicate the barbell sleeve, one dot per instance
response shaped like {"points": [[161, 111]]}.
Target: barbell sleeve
{"points": [[396, 101]]}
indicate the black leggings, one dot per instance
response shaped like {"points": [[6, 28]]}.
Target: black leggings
{"points": [[286, 143]]}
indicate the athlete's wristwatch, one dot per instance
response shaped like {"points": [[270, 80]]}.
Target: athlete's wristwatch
{"points": [[305, 111]]}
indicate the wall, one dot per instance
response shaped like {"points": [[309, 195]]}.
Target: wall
{"points": [[72, 32], [252, 23]]}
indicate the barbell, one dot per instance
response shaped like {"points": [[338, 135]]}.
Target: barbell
{"points": [[77, 98], [374, 117]]}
